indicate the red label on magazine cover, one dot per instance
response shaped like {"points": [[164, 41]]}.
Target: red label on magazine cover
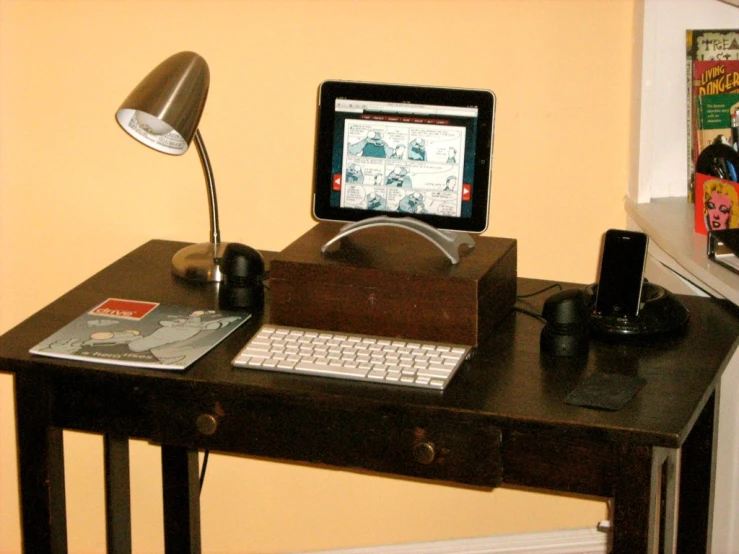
{"points": [[126, 309]]}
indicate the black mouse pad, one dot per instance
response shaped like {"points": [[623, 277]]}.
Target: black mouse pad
{"points": [[607, 391]]}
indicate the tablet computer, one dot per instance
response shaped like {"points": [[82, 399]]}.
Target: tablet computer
{"points": [[405, 151]]}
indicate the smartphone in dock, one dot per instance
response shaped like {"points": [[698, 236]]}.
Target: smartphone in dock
{"points": [[621, 275]]}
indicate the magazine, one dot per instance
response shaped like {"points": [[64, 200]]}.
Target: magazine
{"points": [[141, 334]]}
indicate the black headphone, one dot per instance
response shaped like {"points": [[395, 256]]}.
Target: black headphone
{"points": [[566, 331], [719, 160], [243, 272]]}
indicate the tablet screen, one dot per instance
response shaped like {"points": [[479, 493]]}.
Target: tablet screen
{"points": [[398, 150]]}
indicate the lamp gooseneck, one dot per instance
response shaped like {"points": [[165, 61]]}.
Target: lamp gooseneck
{"points": [[201, 262], [215, 231]]}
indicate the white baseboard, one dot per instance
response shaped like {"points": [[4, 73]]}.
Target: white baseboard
{"points": [[571, 541]]}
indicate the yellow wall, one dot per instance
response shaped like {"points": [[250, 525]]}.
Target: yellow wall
{"points": [[76, 193]]}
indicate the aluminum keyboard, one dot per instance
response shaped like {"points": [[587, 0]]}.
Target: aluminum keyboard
{"points": [[424, 364]]}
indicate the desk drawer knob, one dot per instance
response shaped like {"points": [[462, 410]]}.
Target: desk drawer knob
{"points": [[424, 452], [206, 424]]}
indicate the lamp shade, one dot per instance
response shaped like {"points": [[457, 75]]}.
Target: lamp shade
{"points": [[164, 110]]}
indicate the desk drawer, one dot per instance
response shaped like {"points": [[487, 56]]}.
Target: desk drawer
{"points": [[421, 444]]}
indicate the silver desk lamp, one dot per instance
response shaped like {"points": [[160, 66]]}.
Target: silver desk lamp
{"points": [[163, 112]]}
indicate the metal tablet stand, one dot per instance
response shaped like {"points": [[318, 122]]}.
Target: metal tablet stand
{"points": [[447, 241]]}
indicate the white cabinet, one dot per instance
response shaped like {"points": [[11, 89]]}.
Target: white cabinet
{"points": [[657, 204]]}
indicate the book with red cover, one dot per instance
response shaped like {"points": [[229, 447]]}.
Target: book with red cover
{"points": [[717, 121]]}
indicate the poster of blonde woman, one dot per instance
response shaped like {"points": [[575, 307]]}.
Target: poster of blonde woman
{"points": [[717, 204]]}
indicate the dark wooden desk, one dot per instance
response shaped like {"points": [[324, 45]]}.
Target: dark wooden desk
{"points": [[502, 421]]}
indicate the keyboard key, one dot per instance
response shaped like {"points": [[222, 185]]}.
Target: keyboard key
{"points": [[324, 369]]}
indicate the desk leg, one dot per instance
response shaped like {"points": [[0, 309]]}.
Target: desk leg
{"points": [[647, 501], [662, 499], [40, 467], [181, 500], [117, 495], [696, 483], [631, 500], [668, 466]]}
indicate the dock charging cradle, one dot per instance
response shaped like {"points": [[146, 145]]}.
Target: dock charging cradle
{"points": [[660, 313]]}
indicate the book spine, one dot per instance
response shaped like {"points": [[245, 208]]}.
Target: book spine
{"points": [[689, 113]]}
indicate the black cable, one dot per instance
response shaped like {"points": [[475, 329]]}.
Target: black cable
{"points": [[265, 279], [530, 313], [538, 292], [202, 469]]}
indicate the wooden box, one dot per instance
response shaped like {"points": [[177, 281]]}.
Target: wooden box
{"points": [[393, 282]]}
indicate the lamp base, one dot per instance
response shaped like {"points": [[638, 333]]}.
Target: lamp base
{"points": [[199, 262]]}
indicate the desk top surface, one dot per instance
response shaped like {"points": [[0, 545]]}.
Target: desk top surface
{"points": [[507, 380]]}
